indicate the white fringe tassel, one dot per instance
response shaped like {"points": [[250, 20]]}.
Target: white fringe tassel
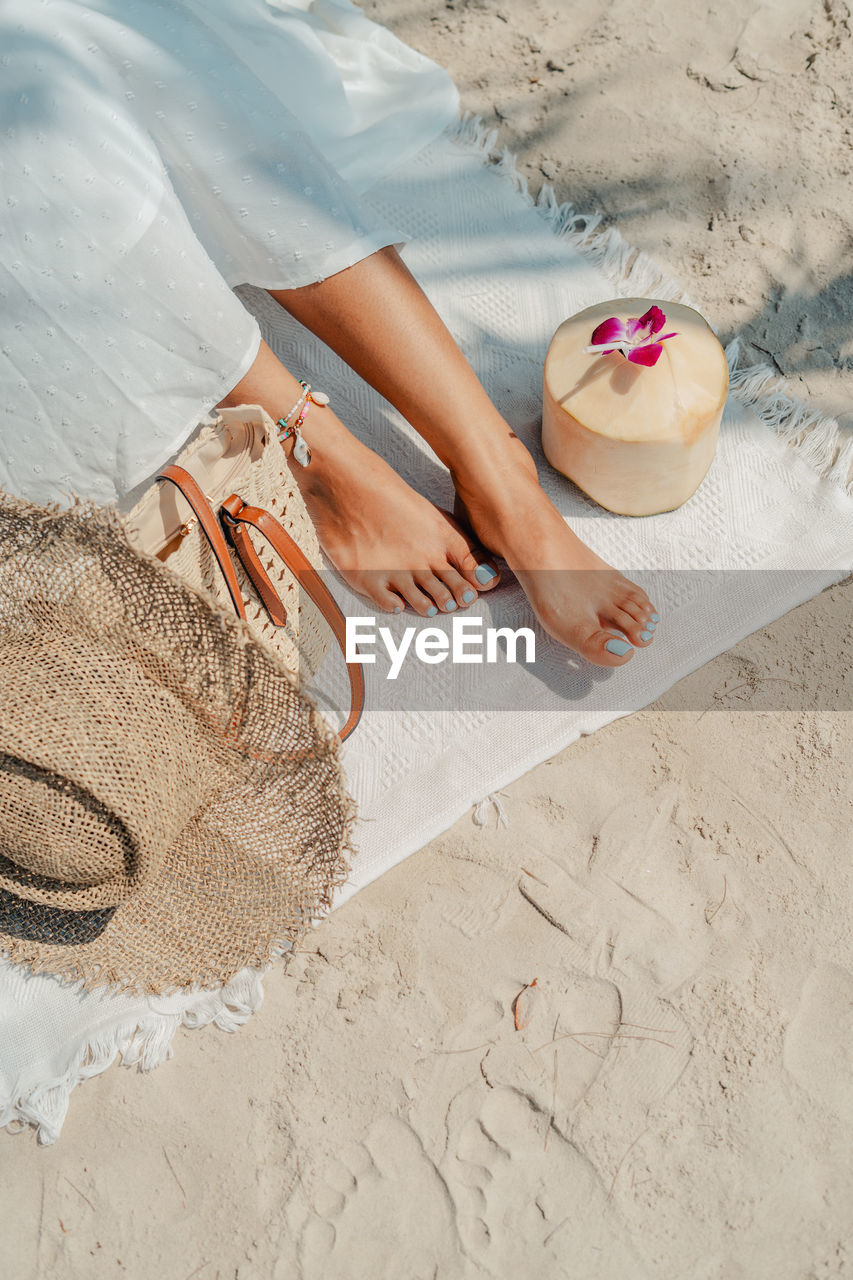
{"points": [[483, 808], [816, 437], [143, 1043], [632, 272]]}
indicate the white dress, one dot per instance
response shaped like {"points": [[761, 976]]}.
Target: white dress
{"points": [[155, 153]]}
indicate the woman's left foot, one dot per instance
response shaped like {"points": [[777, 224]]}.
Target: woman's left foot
{"points": [[581, 601]]}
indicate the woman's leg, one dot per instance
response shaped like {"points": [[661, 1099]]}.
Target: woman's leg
{"points": [[388, 542], [377, 318]]}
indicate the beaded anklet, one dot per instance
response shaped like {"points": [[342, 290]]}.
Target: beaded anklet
{"points": [[301, 452]]}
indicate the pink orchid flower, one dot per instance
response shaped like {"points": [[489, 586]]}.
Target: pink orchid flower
{"points": [[639, 340]]}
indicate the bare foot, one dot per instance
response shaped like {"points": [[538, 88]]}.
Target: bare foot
{"points": [[579, 598], [387, 541]]}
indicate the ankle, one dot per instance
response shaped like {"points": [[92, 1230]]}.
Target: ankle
{"points": [[492, 464], [497, 480]]}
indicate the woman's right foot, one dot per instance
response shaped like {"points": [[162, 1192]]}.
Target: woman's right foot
{"points": [[387, 542]]}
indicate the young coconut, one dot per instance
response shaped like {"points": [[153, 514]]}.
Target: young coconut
{"points": [[633, 398]]}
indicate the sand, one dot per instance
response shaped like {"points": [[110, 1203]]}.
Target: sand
{"points": [[679, 1102]]}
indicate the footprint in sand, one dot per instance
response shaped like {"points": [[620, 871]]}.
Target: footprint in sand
{"points": [[818, 1048], [527, 1206], [570, 1023], [363, 1222], [627, 905]]}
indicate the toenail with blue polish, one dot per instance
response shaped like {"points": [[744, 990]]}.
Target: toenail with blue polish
{"points": [[450, 606], [484, 574], [619, 647], [654, 618], [398, 608], [645, 635], [651, 625], [431, 611], [469, 596]]}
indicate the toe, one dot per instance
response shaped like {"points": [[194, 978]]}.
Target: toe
{"points": [[588, 637], [380, 592], [408, 589], [478, 568], [476, 565], [636, 602], [638, 611], [389, 601], [440, 595], [462, 591], [636, 631], [608, 649]]}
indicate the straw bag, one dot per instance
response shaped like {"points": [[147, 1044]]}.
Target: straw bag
{"points": [[227, 517]]}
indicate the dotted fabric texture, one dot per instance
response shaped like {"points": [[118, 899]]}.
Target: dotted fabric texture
{"points": [[154, 155], [171, 806]]}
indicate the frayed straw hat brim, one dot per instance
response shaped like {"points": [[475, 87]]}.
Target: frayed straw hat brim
{"points": [[255, 859]]}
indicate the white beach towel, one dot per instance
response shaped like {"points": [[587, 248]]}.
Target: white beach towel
{"points": [[771, 525]]}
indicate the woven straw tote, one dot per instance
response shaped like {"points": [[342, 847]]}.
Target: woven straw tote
{"points": [[232, 522]]}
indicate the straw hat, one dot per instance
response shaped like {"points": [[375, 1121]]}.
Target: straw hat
{"points": [[171, 806]]}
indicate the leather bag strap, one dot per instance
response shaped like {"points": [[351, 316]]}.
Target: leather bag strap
{"points": [[201, 509], [251, 562], [235, 515]]}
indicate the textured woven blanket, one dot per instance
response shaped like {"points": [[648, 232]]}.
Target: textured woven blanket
{"points": [[770, 526]]}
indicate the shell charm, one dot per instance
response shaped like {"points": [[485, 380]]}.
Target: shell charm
{"points": [[301, 452]]}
